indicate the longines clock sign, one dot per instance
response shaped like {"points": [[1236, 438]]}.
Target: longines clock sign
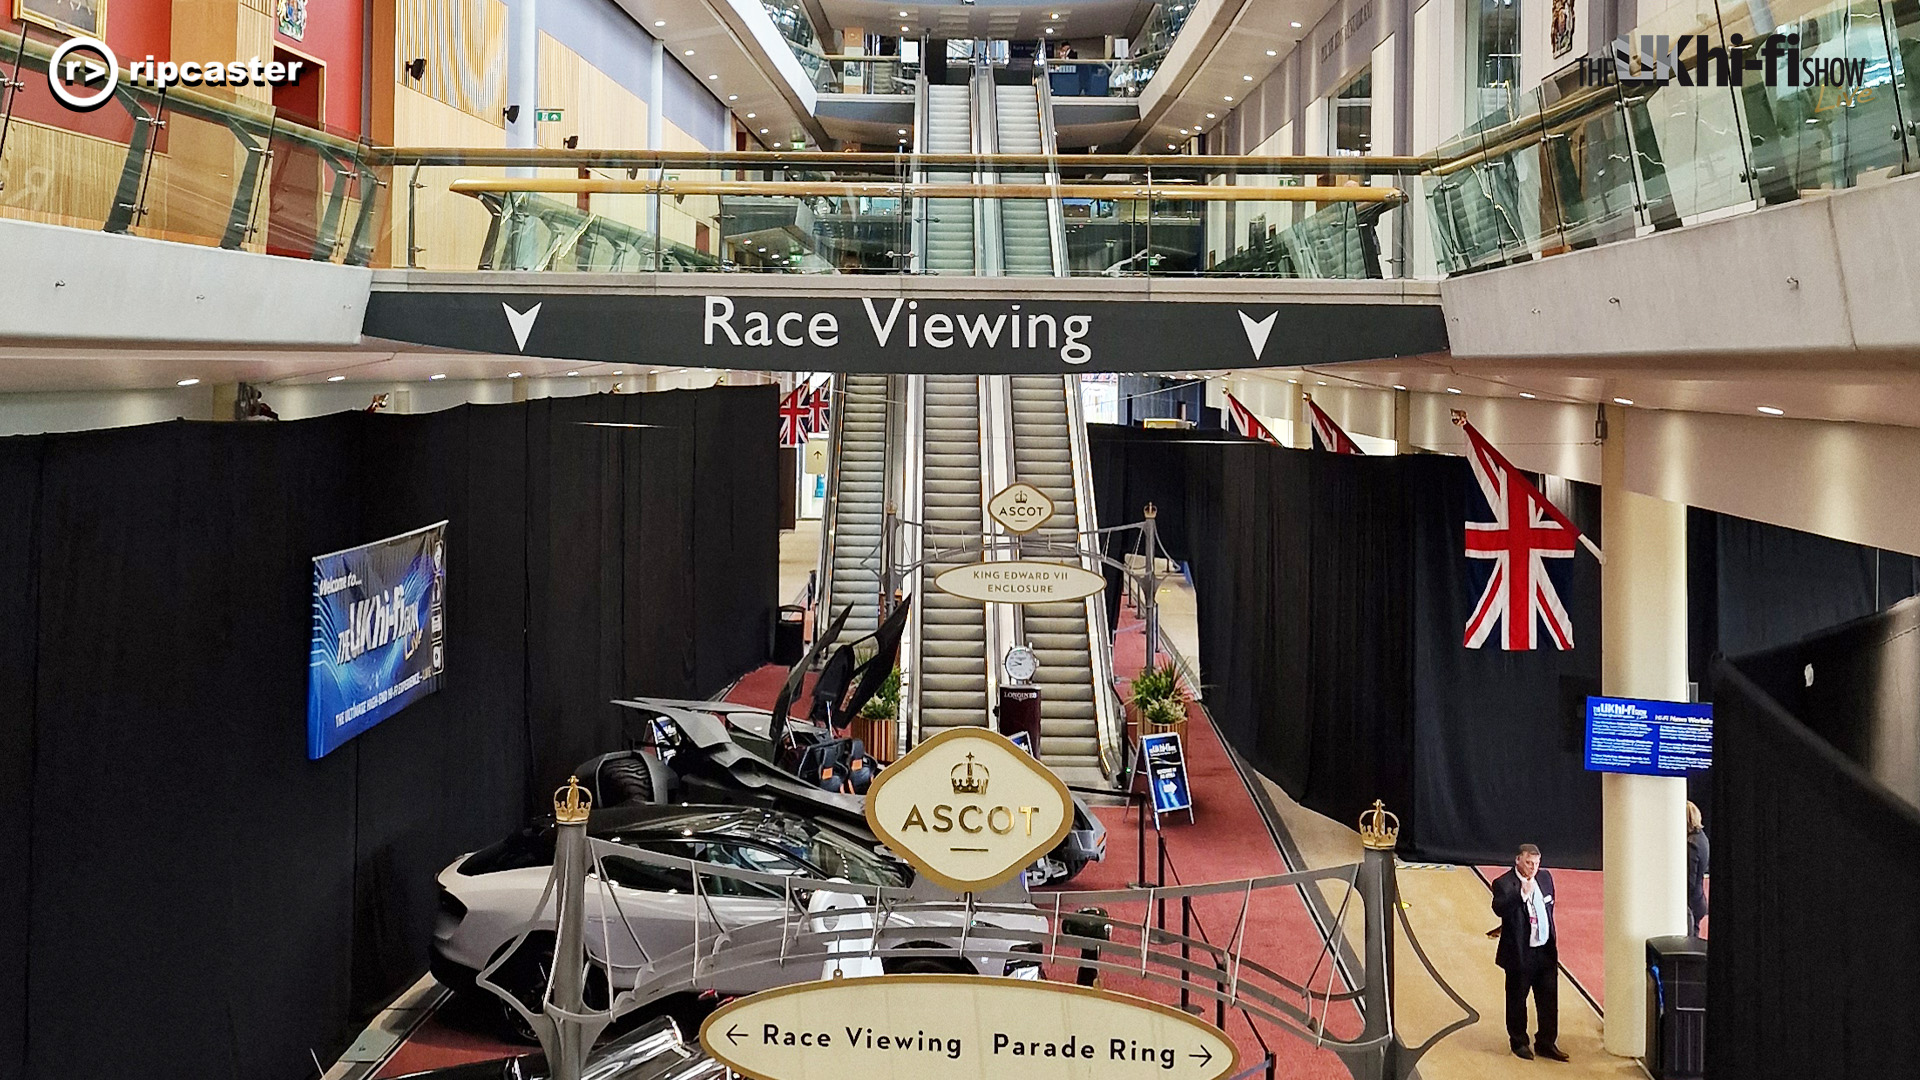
{"points": [[849, 332]]}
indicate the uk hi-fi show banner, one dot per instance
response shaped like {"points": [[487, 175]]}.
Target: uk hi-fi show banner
{"points": [[377, 625]]}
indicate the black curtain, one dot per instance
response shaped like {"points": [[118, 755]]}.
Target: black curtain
{"points": [[1814, 972], [177, 874], [1332, 594]]}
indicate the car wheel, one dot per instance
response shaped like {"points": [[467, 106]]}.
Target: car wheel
{"points": [[626, 781], [920, 965], [525, 976]]}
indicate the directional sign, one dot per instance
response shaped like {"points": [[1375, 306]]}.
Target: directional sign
{"points": [[1020, 507], [1022, 581], [969, 809], [961, 1027], [548, 116]]}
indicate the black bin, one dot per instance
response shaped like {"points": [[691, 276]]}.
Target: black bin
{"points": [[1677, 1007], [790, 634]]}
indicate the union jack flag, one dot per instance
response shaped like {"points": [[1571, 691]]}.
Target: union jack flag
{"points": [[817, 405], [794, 414], [1242, 421], [1327, 434], [1526, 530]]}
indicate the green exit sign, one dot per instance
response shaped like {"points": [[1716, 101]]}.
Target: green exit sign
{"points": [[548, 116]]}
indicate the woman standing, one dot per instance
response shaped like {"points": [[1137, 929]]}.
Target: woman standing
{"points": [[1696, 869]]}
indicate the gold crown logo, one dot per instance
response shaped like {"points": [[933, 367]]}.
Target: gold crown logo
{"points": [[571, 804], [1379, 829], [1020, 497], [969, 784]]}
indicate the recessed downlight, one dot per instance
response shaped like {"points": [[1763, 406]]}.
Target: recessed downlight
{"points": [[1526, 395], [659, 22], [1271, 52], [1049, 29], [712, 77], [1170, 146], [763, 131], [1623, 401], [1453, 389], [733, 97], [1397, 386], [903, 131], [751, 116], [689, 52], [1246, 78], [1210, 116], [188, 382], [336, 378], [1229, 97], [1296, 25], [1771, 411], [437, 376], [513, 374], [573, 374]]}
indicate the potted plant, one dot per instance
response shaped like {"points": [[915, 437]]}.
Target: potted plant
{"points": [[1155, 684], [1163, 714], [877, 717]]}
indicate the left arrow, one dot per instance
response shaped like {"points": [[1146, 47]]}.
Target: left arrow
{"points": [[734, 1034]]}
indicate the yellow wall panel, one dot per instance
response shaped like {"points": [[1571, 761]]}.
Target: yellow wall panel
{"points": [[450, 228], [465, 45]]}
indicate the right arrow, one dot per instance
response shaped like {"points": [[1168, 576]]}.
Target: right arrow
{"points": [[1205, 1056], [734, 1033]]}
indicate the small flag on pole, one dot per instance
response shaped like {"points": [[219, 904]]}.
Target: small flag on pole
{"points": [[1327, 435], [1242, 421]]}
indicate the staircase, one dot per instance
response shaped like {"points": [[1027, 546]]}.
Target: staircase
{"points": [[1057, 633], [950, 673], [853, 535]]}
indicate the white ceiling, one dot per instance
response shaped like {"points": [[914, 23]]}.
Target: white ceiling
{"points": [[1006, 20], [1214, 66], [708, 39]]}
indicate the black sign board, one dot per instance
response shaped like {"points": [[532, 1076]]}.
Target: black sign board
{"points": [[894, 333]]}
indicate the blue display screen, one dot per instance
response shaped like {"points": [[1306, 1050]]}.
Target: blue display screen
{"points": [[1648, 738]]}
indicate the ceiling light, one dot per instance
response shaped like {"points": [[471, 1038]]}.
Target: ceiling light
{"points": [[438, 376], [1622, 401], [712, 77], [1210, 116], [1170, 146], [1526, 395], [776, 146], [1320, 382], [903, 14], [763, 131], [903, 131], [513, 374], [1453, 389], [1270, 52], [733, 97], [1049, 29], [752, 115], [1397, 386], [188, 382], [659, 22], [336, 378], [1229, 97], [1293, 380], [1296, 26], [904, 29], [1771, 411], [1246, 78], [619, 373], [689, 52], [572, 374]]}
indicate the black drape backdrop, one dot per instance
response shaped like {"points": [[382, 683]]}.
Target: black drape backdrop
{"points": [[182, 893], [1332, 594], [1814, 971]]}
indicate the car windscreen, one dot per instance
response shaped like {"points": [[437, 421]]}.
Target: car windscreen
{"points": [[836, 855]]}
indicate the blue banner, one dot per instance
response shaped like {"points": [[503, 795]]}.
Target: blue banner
{"points": [[377, 625], [1648, 738]]}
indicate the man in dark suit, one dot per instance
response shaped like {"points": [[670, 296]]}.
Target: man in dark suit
{"points": [[1529, 953]]}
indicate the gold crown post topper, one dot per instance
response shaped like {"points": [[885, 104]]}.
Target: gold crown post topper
{"points": [[1379, 829], [968, 784], [571, 804]]}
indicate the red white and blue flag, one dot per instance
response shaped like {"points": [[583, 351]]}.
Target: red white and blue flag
{"points": [[1327, 435], [795, 412], [817, 406], [1242, 421], [1520, 598]]}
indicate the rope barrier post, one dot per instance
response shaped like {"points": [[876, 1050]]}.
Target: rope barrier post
{"points": [[1152, 585], [573, 1035], [1186, 931], [1379, 833]]}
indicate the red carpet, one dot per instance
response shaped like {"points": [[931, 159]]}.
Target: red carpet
{"points": [[437, 1044]]}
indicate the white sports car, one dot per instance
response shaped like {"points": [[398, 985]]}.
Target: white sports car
{"points": [[488, 897]]}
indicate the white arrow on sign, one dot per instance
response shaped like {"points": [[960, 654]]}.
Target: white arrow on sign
{"points": [[1257, 331], [522, 323]]}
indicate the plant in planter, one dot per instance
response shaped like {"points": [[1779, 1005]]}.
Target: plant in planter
{"points": [[885, 704], [1163, 714], [1153, 685]]}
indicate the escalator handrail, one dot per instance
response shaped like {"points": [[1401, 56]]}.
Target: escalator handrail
{"points": [[1049, 145]]}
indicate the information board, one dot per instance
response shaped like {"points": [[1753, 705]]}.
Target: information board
{"points": [[1166, 767], [377, 625], [1648, 738]]}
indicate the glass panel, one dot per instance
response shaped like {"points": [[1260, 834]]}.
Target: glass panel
{"points": [[1492, 67], [1904, 19], [1689, 140], [1591, 161], [1816, 133]]}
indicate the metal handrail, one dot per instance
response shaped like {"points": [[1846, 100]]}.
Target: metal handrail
{"points": [[1050, 147], [830, 513]]}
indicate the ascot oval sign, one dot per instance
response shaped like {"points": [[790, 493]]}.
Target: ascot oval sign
{"points": [[961, 1027], [969, 809], [1021, 581]]}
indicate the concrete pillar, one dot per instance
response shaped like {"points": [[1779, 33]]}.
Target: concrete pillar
{"points": [[1643, 616], [1403, 421], [1297, 409]]}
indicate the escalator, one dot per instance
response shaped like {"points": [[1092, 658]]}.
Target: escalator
{"points": [[1061, 636], [1026, 232], [852, 557], [949, 677], [945, 126]]}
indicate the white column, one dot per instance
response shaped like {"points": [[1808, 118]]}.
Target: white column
{"points": [[523, 77], [1297, 410], [1643, 618], [657, 125]]}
